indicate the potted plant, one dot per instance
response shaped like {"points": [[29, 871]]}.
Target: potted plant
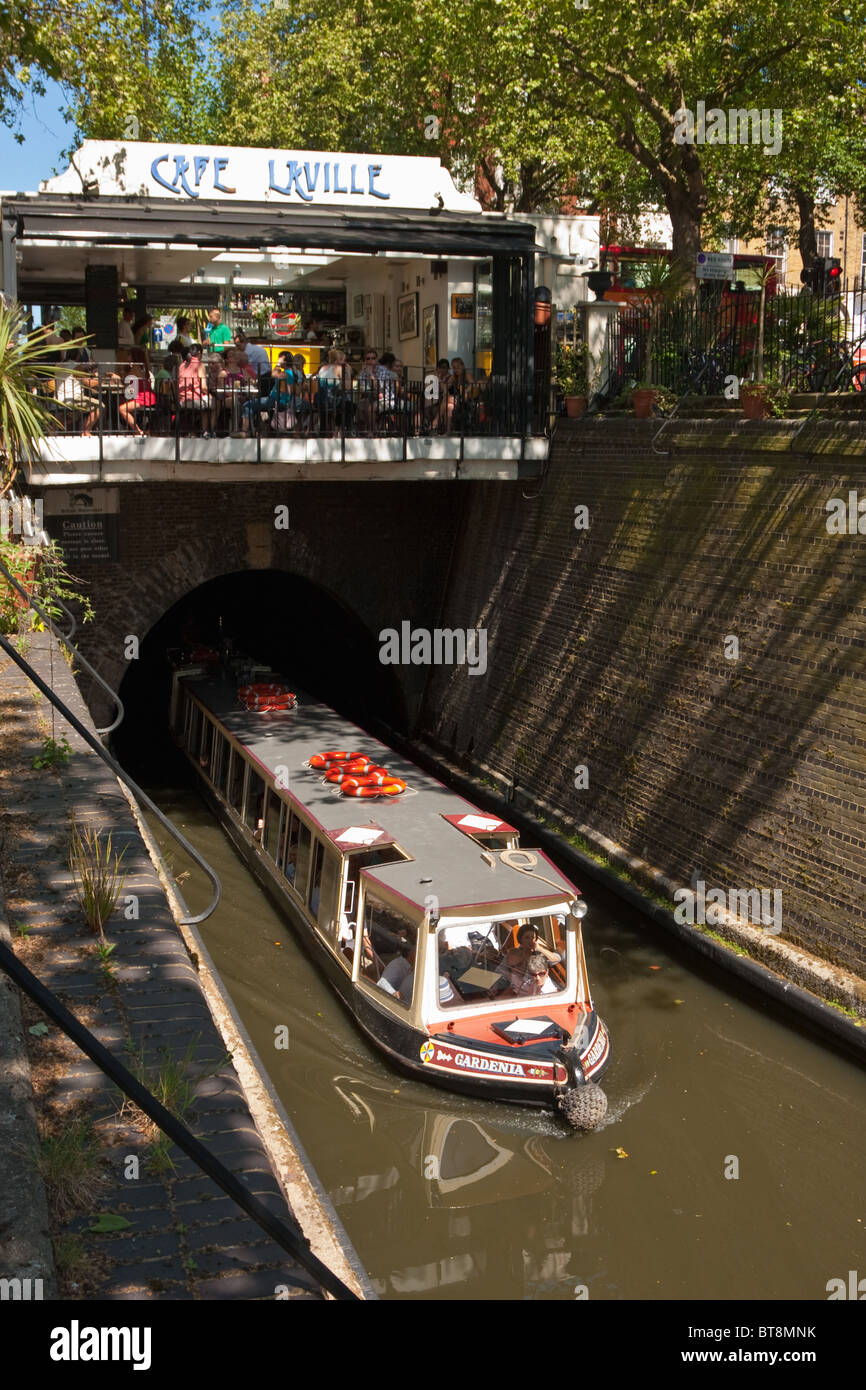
{"points": [[761, 399], [664, 281], [572, 378], [647, 399]]}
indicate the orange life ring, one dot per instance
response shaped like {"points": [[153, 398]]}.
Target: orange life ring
{"points": [[393, 787], [340, 772], [266, 695], [325, 759]]}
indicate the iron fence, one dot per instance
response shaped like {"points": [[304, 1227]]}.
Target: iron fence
{"points": [[697, 344], [107, 398]]}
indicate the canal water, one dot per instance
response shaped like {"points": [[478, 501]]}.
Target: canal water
{"points": [[730, 1165]]}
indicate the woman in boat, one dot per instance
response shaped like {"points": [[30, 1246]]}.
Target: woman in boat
{"points": [[517, 963]]}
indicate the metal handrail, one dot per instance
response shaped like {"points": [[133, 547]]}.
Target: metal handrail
{"points": [[287, 1234], [188, 919]]}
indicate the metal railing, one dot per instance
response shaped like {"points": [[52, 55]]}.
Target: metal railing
{"points": [[104, 399], [695, 345]]}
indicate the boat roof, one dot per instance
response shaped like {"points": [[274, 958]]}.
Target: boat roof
{"points": [[445, 861]]}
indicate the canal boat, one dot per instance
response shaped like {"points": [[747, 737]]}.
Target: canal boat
{"points": [[459, 954]]}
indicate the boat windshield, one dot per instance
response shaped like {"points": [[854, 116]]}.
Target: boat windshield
{"points": [[517, 959]]}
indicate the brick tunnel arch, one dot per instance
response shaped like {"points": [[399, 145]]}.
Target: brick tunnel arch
{"points": [[281, 618]]}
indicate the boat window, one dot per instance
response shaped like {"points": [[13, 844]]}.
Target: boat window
{"points": [[290, 850], [189, 715], [273, 824], [302, 863], [323, 888], [205, 748], [485, 960], [254, 804], [237, 771], [220, 762], [194, 730], [388, 950]]}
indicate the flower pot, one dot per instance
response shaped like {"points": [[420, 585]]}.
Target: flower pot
{"points": [[755, 404], [575, 406], [642, 402]]}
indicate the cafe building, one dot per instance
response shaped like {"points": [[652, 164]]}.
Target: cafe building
{"points": [[303, 251]]}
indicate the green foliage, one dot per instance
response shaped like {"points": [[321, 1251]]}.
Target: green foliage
{"points": [[71, 1168], [54, 753], [572, 369], [42, 571], [24, 415], [98, 879], [128, 70]]}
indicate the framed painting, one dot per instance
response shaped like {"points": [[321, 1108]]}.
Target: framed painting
{"points": [[462, 306], [431, 335], [407, 316], [358, 306]]}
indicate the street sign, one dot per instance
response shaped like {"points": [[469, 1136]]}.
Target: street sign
{"points": [[715, 265]]}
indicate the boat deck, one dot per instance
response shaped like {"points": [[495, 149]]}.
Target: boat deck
{"points": [[446, 862]]}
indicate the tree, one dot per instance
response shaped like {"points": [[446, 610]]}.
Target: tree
{"points": [[637, 68], [126, 67]]}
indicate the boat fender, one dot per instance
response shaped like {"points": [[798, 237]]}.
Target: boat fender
{"points": [[583, 1107]]}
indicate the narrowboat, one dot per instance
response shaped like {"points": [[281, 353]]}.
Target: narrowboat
{"points": [[459, 954]]}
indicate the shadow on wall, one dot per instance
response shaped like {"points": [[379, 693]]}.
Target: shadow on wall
{"points": [[284, 621], [608, 649]]}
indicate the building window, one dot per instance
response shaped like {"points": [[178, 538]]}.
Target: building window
{"points": [[731, 244], [825, 243], [777, 249], [863, 260]]}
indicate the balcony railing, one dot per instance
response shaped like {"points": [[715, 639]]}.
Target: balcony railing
{"points": [[106, 399]]}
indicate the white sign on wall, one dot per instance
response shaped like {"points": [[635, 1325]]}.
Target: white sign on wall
{"points": [[283, 177], [715, 265]]}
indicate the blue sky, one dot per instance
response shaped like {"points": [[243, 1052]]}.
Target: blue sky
{"points": [[46, 134]]}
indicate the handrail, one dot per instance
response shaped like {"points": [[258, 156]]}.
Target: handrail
{"points": [[118, 771], [65, 639], [290, 1237]]}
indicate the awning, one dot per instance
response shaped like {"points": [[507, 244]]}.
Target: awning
{"points": [[143, 222]]}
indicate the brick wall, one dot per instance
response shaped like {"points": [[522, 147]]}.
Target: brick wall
{"points": [[607, 648], [379, 551]]}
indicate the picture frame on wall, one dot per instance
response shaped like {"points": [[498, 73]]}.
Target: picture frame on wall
{"points": [[358, 306], [431, 335], [407, 316], [462, 306]]}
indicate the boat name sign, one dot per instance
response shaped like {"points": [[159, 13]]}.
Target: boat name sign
{"points": [[449, 1059]]}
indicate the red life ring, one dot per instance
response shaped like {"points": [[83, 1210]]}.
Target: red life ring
{"points": [[266, 695], [325, 759], [340, 772], [393, 787]]}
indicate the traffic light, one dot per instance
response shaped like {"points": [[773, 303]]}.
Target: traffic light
{"points": [[823, 276]]}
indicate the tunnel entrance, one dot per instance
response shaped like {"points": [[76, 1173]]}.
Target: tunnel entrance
{"points": [[278, 618]]}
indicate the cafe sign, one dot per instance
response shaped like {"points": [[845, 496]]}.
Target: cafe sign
{"points": [[189, 173]]}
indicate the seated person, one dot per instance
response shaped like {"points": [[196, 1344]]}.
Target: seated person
{"points": [[532, 977], [529, 943], [398, 977]]}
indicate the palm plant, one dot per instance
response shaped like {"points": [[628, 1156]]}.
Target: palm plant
{"points": [[24, 414], [663, 282]]}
